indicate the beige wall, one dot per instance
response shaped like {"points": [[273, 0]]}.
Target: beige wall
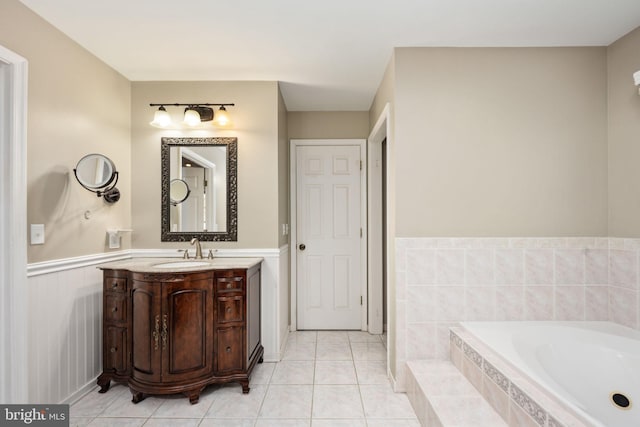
{"points": [[328, 124], [624, 136], [501, 142], [77, 105], [255, 119]]}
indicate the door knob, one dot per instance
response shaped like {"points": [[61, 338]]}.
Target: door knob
{"points": [[302, 247]]}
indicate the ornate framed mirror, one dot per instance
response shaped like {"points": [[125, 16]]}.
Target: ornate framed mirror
{"points": [[208, 167]]}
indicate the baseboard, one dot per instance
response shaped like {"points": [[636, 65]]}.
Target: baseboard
{"points": [[81, 392]]}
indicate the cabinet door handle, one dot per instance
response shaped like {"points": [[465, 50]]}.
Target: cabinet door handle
{"points": [[114, 285], [156, 333], [229, 285], [114, 349], [228, 349], [228, 309], [164, 331], [114, 309]]}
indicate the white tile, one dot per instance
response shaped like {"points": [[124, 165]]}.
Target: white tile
{"points": [[335, 372], [380, 401], [293, 372], [371, 371], [339, 423], [479, 267], [262, 373], [393, 423], [569, 265], [334, 351], [363, 336], [172, 422], [287, 401], [122, 406], [302, 336], [368, 351], [450, 267], [300, 351], [337, 401], [265, 422], [421, 268], [79, 421], [538, 267], [466, 412], [230, 402], [218, 422], [177, 406], [332, 337], [117, 422], [94, 403], [509, 266]]}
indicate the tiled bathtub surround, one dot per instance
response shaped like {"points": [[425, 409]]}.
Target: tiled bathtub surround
{"points": [[442, 281], [514, 397]]}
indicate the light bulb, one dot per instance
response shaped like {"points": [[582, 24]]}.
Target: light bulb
{"points": [[191, 117], [221, 117], [161, 118]]}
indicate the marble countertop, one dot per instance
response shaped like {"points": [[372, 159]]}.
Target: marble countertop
{"points": [[179, 265]]}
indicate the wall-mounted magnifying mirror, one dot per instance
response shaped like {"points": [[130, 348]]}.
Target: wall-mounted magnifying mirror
{"points": [[98, 174], [199, 189], [178, 191]]}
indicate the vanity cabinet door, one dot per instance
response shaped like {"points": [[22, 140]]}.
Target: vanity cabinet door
{"points": [[148, 330], [188, 316], [229, 349]]}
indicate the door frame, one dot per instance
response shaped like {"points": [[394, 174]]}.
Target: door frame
{"points": [[13, 232], [379, 133], [294, 144]]}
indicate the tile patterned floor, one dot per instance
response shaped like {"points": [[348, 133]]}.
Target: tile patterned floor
{"points": [[326, 379]]}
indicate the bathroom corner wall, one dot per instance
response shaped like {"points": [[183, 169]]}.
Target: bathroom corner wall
{"points": [[76, 105]]}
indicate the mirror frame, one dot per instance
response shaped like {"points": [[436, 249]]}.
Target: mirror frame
{"points": [[231, 233]]}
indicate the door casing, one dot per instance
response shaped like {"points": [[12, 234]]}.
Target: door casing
{"points": [[362, 143]]}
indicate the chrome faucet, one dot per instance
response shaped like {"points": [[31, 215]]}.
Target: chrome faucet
{"points": [[198, 247]]}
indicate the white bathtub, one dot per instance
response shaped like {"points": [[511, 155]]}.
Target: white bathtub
{"points": [[582, 364]]}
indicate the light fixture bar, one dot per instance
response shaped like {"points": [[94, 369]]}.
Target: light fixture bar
{"points": [[193, 104]]}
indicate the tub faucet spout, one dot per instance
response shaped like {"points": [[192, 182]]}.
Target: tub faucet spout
{"points": [[198, 247]]}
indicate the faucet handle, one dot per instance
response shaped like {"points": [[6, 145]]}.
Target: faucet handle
{"points": [[211, 252], [186, 253]]}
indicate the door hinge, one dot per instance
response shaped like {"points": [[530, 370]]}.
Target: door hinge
{"points": [[360, 164], [361, 232], [360, 299]]}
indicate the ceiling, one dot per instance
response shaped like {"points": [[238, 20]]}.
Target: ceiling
{"points": [[329, 55]]}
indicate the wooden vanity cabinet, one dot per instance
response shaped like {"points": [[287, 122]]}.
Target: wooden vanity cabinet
{"points": [[185, 331]]}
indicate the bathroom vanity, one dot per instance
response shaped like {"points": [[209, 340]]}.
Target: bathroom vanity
{"points": [[176, 327]]}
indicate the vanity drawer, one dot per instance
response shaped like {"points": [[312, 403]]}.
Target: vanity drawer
{"points": [[115, 284], [230, 283], [230, 309], [229, 350], [115, 308]]}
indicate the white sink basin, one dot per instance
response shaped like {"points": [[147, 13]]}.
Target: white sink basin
{"points": [[182, 264]]}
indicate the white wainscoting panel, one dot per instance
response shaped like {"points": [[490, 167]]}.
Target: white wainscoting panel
{"points": [[65, 336]]}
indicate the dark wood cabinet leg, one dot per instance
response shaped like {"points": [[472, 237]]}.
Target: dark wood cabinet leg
{"points": [[261, 359], [104, 381], [245, 386], [137, 396], [193, 395]]}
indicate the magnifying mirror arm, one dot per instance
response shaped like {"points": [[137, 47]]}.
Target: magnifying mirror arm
{"points": [[111, 194]]}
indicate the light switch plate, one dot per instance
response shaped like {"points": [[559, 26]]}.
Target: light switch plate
{"points": [[37, 234]]}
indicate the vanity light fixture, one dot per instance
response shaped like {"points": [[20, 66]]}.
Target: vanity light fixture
{"points": [[194, 114]]}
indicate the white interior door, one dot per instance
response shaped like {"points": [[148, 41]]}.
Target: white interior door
{"points": [[328, 230], [192, 210]]}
